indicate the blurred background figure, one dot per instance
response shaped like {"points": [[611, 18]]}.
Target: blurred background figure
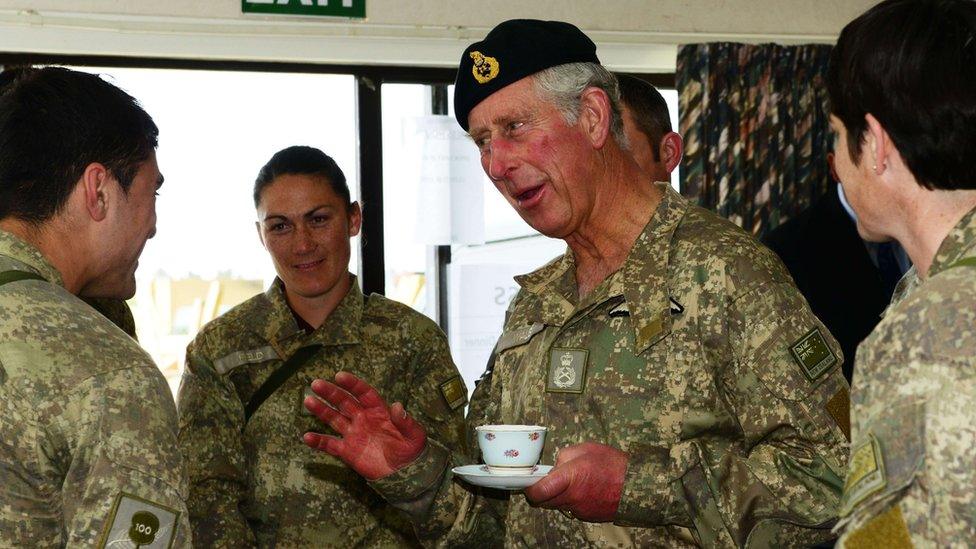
{"points": [[847, 280], [647, 125]]}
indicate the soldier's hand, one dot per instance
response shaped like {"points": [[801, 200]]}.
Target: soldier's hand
{"points": [[375, 440], [586, 482]]}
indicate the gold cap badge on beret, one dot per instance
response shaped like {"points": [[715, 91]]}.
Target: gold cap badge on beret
{"points": [[484, 68]]}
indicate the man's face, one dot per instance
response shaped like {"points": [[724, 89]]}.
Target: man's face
{"points": [[869, 202], [306, 227], [535, 159], [128, 226], [643, 150]]}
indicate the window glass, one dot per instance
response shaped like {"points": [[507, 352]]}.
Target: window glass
{"points": [[217, 128]]}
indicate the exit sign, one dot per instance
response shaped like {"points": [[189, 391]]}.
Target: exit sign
{"points": [[334, 8]]}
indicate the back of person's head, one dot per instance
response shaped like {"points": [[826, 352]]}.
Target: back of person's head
{"points": [[648, 109], [302, 160], [912, 65], [54, 122], [10, 74]]}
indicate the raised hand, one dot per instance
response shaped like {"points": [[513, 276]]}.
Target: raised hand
{"points": [[586, 482], [375, 440]]}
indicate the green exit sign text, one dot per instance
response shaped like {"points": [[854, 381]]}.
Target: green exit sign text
{"points": [[334, 8]]}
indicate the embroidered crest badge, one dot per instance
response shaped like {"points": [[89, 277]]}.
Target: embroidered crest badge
{"points": [[485, 68], [567, 371]]}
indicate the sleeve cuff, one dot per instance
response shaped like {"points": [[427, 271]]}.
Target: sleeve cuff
{"points": [[411, 482], [651, 493]]}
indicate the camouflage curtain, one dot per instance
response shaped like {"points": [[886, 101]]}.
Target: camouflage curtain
{"points": [[755, 123]]}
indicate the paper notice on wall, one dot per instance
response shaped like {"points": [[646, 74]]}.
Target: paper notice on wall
{"points": [[480, 294], [450, 205]]}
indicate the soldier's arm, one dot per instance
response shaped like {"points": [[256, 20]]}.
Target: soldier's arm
{"points": [[779, 486], [211, 422], [124, 479], [446, 511], [787, 392], [438, 393]]}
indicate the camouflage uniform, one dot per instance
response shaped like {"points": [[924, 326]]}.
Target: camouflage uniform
{"points": [[116, 310], [254, 482], [684, 359], [912, 476], [88, 444]]}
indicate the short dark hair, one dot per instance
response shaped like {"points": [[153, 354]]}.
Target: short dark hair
{"points": [[302, 160], [54, 122], [912, 65], [11, 74], [648, 107]]}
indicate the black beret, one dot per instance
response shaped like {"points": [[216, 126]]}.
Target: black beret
{"points": [[513, 50]]}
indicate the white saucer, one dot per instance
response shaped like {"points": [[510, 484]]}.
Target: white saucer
{"points": [[479, 476]]}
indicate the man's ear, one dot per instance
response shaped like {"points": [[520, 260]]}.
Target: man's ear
{"points": [[672, 147], [96, 181], [355, 219], [595, 115]]}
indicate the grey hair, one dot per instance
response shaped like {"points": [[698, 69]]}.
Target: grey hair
{"points": [[563, 85]]}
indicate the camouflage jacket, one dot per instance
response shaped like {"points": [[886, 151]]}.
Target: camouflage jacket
{"points": [[254, 483], [88, 454], [116, 310], [912, 474], [700, 359]]}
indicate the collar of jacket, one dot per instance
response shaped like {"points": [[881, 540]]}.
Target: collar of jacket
{"points": [[642, 280], [28, 256], [342, 327], [959, 243]]}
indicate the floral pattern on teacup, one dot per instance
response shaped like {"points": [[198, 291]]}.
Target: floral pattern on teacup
{"points": [[489, 436], [533, 436], [513, 453]]}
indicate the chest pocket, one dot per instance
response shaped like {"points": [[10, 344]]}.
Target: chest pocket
{"points": [[511, 361]]}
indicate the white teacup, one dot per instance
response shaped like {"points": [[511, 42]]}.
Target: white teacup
{"points": [[511, 449]]}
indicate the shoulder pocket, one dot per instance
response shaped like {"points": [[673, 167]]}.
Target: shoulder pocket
{"points": [[793, 363], [887, 458]]}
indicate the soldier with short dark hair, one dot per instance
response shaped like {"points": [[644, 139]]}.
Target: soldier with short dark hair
{"points": [[690, 395], [902, 85], [647, 124], [88, 455]]}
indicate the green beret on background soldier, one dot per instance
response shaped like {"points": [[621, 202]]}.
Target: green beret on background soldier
{"points": [[252, 481], [88, 455], [691, 397], [902, 85]]}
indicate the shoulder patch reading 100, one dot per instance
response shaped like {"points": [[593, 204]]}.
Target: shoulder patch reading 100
{"points": [[137, 522]]}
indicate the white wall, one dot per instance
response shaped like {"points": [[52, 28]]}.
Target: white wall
{"points": [[638, 35]]}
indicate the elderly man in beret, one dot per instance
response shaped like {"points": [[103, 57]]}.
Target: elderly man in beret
{"points": [[706, 404]]}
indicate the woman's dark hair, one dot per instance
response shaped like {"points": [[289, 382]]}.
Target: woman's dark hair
{"points": [[302, 160], [912, 65]]}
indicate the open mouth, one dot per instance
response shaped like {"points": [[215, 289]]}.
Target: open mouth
{"points": [[525, 198]]}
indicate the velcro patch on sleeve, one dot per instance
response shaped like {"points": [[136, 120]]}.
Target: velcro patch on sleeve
{"points": [[454, 393], [839, 408], [138, 522], [865, 476], [886, 530], [813, 355]]}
